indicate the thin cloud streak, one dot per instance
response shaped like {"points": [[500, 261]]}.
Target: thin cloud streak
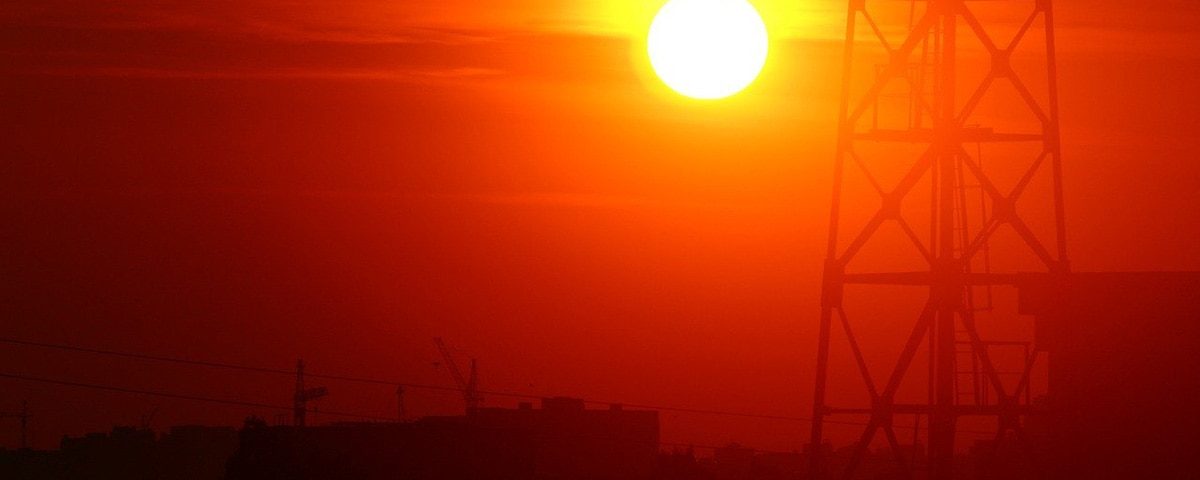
{"points": [[530, 199], [583, 200], [403, 75], [279, 28]]}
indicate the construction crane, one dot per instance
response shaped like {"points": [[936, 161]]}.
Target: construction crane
{"points": [[303, 395], [468, 385]]}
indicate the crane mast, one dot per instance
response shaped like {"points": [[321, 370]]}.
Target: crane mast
{"points": [[469, 385]]}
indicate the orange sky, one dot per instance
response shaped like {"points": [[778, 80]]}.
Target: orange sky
{"points": [[254, 181]]}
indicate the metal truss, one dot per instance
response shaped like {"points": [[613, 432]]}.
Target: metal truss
{"points": [[952, 244]]}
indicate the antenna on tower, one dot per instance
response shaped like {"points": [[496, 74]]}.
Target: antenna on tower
{"points": [[303, 395]]}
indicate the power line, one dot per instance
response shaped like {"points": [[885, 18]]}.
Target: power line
{"points": [[377, 381], [242, 403], [233, 366], [179, 396]]}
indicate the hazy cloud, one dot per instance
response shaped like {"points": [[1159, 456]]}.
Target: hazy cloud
{"points": [[405, 75]]}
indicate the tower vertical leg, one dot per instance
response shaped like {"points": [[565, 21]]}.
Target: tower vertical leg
{"points": [[942, 420], [953, 241], [1053, 145], [816, 463], [944, 285], [831, 278]]}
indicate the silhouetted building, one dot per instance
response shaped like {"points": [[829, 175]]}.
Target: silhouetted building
{"points": [[183, 453], [682, 465], [561, 440], [28, 464], [735, 462], [125, 452], [732, 462], [426, 450], [194, 452], [574, 442], [1124, 373]]}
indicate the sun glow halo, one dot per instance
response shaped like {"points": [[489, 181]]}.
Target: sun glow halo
{"points": [[707, 49]]}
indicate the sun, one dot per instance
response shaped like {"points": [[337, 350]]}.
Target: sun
{"points": [[707, 49]]}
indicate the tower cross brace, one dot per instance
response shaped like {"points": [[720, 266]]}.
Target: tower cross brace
{"points": [[953, 244]]}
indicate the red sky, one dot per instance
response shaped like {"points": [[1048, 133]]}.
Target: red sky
{"points": [[257, 181]]}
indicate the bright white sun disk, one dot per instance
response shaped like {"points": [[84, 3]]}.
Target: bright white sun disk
{"points": [[707, 49]]}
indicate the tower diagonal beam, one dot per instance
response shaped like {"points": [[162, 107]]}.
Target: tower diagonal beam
{"points": [[954, 239]]}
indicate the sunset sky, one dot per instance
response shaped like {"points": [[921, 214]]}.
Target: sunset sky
{"points": [[256, 181]]}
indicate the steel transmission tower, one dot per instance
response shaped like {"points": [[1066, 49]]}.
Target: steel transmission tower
{"points": [[940, 124]]}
